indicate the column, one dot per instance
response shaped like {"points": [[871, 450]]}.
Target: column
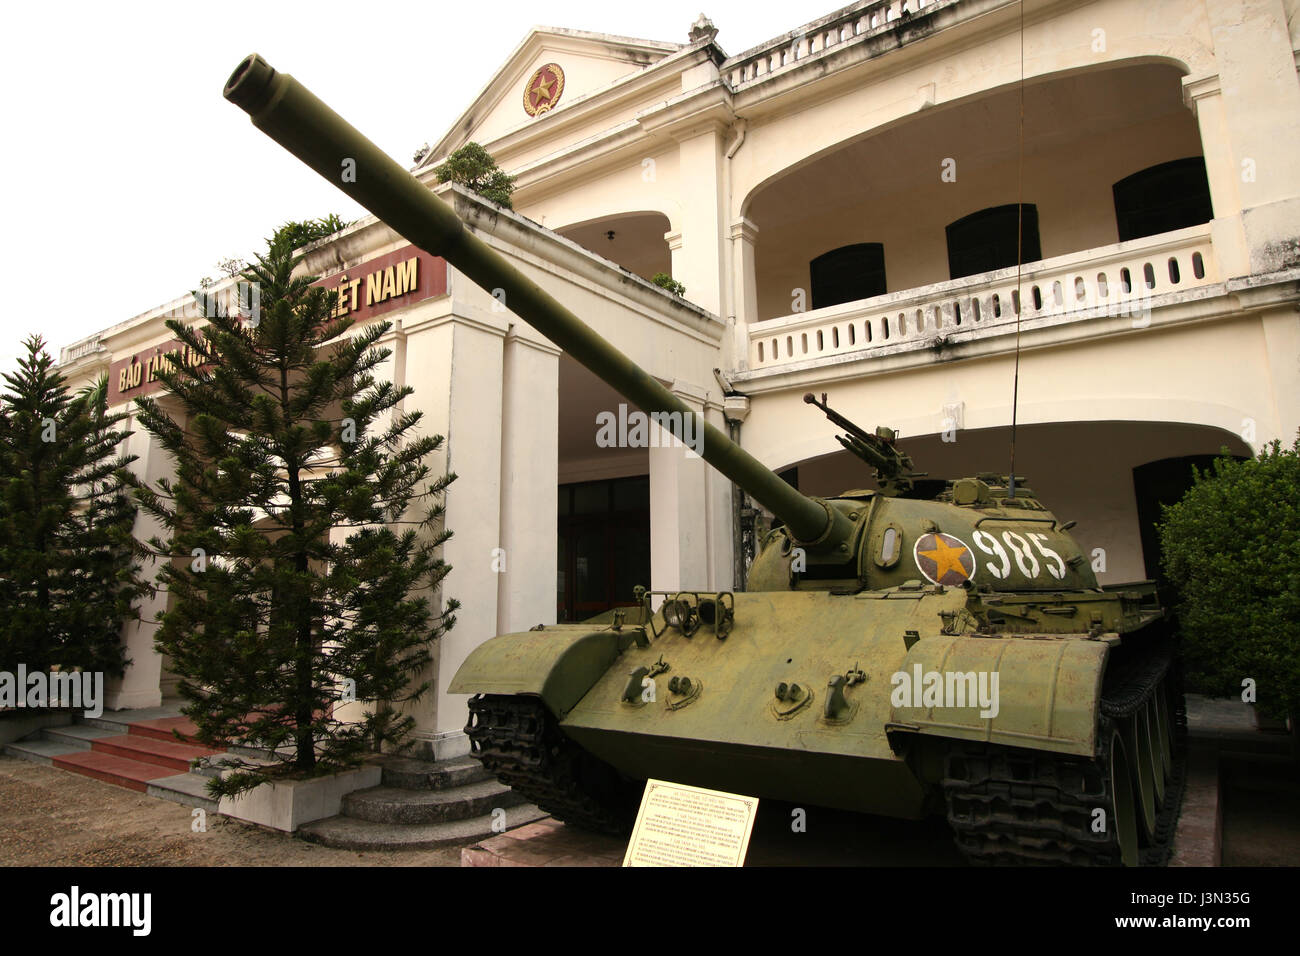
{"points": [[719, 515], [678, 259], [700, 266], [455, 364], [526, 575], [1227, 237], [1257, 125], [744, 242], [679, 509], [140, 686]]}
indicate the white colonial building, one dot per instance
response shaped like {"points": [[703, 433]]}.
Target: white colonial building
{"points": [[841, 204]]}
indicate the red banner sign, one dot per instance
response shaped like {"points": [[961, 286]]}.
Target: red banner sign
{"points": [[373, 288], [390, 282]]}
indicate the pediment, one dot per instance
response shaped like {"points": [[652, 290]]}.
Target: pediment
{"points": [[588, 62]]}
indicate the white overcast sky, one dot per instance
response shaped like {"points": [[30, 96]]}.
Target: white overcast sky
{"points": [[126, 176]]}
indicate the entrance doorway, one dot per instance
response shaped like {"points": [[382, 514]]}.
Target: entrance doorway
{"points": [[604, 545]]}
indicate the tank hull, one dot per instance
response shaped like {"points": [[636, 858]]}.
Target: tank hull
{"points": [[616, 694]]}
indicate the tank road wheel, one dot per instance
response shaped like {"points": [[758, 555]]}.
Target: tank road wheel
{"points": [[1137, 746], [1164, 723], [1154, 741], [1124, 810], [520, 742]]}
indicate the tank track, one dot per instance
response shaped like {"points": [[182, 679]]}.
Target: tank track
{"points": [[1010, 805], [519, 742], [1006, 805]]}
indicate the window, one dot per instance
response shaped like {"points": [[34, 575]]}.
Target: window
{"points": [[1163, 198], [987, 240], [848, 273]]}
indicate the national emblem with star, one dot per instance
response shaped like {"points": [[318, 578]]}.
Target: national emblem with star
{"points": [[543, 91], [944, 559]]}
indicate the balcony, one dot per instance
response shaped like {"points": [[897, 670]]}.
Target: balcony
{"points": [[1124, 279], [819, 38]]}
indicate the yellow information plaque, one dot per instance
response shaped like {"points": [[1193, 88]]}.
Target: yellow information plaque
{"points": [[690, 826]]}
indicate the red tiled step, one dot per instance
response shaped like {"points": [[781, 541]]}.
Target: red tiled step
{"points": [[170, 754], [132, 774], [162, 729]]}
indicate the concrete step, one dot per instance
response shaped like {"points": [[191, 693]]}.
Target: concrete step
{"points": [[121, 720], [119, 725], [396, 805], [110, 768], [166, 728], [170, 755], [408, 773], [39, 750], [187, 789], [349, 833], [75, 735]]}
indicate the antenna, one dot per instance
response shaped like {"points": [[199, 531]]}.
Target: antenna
{"points": [[1020, 251]]}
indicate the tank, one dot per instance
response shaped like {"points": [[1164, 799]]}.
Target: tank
{"points": [[927, 646]]}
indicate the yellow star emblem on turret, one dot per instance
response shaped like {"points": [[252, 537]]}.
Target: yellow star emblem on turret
{"points": [[949, 556]]}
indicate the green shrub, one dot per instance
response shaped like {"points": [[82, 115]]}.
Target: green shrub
{"points": [[665, 281], [1232, 549], [473, 167]]}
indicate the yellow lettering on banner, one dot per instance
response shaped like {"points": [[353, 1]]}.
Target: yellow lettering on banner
{"points": [[374, 288], [389, 285], [407, 274], [121, 380], [353, 287], [341, 303]]}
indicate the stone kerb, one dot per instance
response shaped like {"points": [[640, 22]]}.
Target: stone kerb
{"points": [[289, 804]]}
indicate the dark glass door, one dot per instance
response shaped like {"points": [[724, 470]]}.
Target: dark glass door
{"points": [[603, 545]]}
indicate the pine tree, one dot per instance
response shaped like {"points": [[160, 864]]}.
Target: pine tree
{"points": [[67, 576], [303, 530]]}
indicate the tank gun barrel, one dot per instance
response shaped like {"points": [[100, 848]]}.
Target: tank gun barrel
{"points": [[295, 118]]}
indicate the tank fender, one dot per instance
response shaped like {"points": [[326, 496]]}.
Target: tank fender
{"points": [[558, 663], [1048, 689]]}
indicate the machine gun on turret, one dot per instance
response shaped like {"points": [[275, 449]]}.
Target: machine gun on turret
{"points": [[893, 468]]}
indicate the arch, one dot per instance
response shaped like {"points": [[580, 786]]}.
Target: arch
{"points": [[633, 240], [903, 184], [784, 448], [836, 140], [614, 217]]}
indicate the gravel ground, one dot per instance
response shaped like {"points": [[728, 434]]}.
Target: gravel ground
{"points": [[51, 817]]}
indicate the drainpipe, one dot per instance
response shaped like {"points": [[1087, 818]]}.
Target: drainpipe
{"points": [[728, 299], [740, 126], [737, 495]]}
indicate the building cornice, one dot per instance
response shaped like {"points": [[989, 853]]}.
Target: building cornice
{"points": [[1198, 88]]}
